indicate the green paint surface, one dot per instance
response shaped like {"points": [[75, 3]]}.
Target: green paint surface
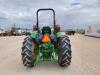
{"points": [[33, 35]]}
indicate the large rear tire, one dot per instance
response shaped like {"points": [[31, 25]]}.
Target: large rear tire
{"points": [[27, 52], [64, 52]]}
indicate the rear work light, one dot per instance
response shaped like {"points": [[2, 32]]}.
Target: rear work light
{"points": [[46, 38]]}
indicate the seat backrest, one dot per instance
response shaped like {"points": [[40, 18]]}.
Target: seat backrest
{"points": [[46, 29]]}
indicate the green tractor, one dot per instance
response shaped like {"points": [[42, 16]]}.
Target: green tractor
{"points": [[46, 44]]}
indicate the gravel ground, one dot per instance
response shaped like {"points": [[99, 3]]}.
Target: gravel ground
{"points": [[85, 58]]}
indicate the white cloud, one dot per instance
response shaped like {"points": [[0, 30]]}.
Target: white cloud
{"points": [[68, 12]]}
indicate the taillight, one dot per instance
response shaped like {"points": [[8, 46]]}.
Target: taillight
{"points": [[46, 38]]}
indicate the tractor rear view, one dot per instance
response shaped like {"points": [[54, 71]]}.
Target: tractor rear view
{"points": [[46, 45]]}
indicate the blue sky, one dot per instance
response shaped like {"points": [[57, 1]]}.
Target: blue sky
{"points": [[69, 13]]}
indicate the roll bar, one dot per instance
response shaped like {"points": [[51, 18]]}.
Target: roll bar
{"points": [[46, 9]]}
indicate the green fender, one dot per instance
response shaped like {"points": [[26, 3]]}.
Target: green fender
{"points": [[34, 35], [59, 34]]}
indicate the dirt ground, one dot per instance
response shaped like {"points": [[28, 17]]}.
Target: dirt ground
{"points": [[85, 58]]}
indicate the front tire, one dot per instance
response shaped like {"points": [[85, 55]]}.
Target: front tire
{"points": [[64, 52]]}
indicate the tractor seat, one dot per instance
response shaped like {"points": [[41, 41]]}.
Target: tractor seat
{"points": [[46, 29]]}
